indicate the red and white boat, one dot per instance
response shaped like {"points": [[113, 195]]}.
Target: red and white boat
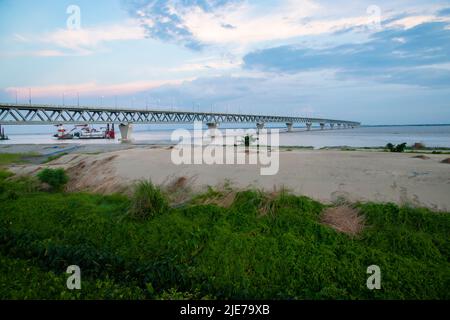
{"points": [[85, 131]]}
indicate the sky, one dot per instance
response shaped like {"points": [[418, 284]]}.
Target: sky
{"points": [[377, 62]]}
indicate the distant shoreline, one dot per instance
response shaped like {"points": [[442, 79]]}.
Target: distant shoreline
{"points": [[405, 125]]}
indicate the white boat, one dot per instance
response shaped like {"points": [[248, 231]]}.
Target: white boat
{"points": [[85, 131]]}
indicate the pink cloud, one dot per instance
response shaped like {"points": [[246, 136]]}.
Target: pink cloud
{"points": [[93, 89]]}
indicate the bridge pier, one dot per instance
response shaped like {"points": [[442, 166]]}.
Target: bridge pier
{"points": [[126, 131], [3, 136], [212, 127], [259, 126], [308, 126], [322, 126], [331, 126], [289, 126], [339, 125]]}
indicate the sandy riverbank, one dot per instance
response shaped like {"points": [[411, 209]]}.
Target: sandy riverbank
{"points": [[321, 174]]}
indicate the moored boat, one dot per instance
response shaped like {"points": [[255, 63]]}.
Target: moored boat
{"points": [[85, 131]]}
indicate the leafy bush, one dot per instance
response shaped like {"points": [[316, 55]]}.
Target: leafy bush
{"points": [[398, 148], [147, 201], [55, 178], [390, 147]]}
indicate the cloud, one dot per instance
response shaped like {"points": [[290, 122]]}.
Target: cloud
{"points": [[427, 77], [20, 38], [88, 38], [36, 53], [164, 19], [253, 93], [318, 93], [93, 88], [48, 53], [224, 62], [413, 21], [66, 42], [390, 51], [444, 12], [196, 24], [199, 23]]}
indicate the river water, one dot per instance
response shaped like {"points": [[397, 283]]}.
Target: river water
{"points": [[430, 136]]}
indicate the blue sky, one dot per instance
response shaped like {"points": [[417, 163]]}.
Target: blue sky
{"points": [[378, 62]]}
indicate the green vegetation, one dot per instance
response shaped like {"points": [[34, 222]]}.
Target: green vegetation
{"points": [[391, 148], [398, 148], [55, 178], [56, 156], [247, 140], [148, 201], [415, 148], [8, 158], [15, 158], [290, 148], [259, 247], [23, 279]]}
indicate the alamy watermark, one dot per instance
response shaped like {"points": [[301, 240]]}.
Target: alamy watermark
{"points": [[374, 280], [74, 280], [214, 147], [374, 19], [73, 22]]}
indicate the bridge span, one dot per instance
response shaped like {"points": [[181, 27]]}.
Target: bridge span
{"points": [[29, 114]]}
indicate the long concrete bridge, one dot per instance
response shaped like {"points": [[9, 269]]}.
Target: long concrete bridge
{"points": [[29, 114]]}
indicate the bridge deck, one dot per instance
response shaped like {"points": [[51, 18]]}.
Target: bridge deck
{"points": [[16, 114]]}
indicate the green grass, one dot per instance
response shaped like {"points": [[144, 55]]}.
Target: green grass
{"points": [[54, 157], [23, 158], [259, 248], [296, 148], [16, 158], [56, 179], [23, 279], [147, 201]]}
